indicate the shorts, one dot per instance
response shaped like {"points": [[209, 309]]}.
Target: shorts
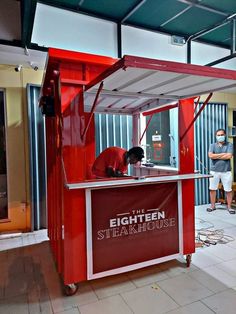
{"points": [[224, 177]]}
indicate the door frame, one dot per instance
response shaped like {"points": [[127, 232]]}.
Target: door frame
{"points": [[3, 90]]}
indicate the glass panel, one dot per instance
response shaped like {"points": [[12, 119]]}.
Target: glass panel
{"points": [[3, 168], [158, 139]]}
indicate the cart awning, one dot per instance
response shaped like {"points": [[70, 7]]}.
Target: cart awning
{"points": [[135, 84]]}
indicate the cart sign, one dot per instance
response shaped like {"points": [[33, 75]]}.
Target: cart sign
{"points": [[133, 225]]}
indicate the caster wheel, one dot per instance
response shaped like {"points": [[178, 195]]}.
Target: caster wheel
{"points": [[188, 260], [71, 289]]}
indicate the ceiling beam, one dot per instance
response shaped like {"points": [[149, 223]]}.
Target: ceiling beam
{"points": [[28, 8], [233, 34], [189, 52], [208, 30], [79, 10], [132, 11], [175, 16], [197, 4], [119, 40]]}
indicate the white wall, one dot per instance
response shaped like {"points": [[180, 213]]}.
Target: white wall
{"points": [[230, 64], [72, 31], [150, 44], [63, 29], [203, 54]]}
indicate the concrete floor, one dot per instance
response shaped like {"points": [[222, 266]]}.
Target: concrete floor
{"points": [[29, 282]]}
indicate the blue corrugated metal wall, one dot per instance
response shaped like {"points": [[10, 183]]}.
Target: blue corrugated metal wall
{"points": [[113, 130], [213, 117]]}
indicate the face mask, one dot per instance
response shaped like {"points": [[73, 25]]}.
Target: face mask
{"points": [[220, 138]]}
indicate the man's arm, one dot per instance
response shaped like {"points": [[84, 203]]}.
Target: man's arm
{"points": [[114, 173], [222, 156]]}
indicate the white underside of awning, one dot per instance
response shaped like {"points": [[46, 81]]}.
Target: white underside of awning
{"points": [[136, 89]]}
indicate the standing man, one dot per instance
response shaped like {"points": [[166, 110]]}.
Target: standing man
{"points": [[220, 154], [113, 161]]}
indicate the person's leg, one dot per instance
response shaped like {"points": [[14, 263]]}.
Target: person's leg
{"points": [[227, 181], [229, 196], [213, 198], [213, 186]]}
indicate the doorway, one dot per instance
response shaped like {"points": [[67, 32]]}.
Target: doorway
{"points": [[3, 160], [37, 159]]}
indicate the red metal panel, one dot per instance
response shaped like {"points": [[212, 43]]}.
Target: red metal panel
{"points": [[74, 56], [186, 165], [69, 156], [75, 262]]}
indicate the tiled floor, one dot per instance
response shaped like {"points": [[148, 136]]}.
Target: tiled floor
{"points": [[29, 282]]}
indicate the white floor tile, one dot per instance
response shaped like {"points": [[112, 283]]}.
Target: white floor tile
{"points": [[111, 305], [202, 259], [112, 285], [10, 243], [229, 267], [149, 300], [184, 289], [208, 280], [176, 267], [225, 278], [61, 302], [223, 302], [194, 308], [222, 251], [146, 276]]}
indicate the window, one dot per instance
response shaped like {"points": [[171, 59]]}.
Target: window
{"points": [[161, 144]]}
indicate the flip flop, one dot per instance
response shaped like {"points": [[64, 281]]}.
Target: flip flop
{"points": [[209, 209]]}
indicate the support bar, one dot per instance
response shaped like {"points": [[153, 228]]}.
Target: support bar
{"points": [[195, 118], [149, 120], [93, 109]]}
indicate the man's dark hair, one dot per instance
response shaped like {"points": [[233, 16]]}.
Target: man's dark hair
{"points": [[220, 130], [137, 152]]}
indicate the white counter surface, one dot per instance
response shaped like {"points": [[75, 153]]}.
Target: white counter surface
{"points": [[118, 182], [160, 167]]}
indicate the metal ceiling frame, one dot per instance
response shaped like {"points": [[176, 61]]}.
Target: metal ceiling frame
{"points": [[229, 19], [28, 9]]}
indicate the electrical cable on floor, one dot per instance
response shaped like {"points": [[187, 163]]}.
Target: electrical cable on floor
{"points": [[207, 236]]}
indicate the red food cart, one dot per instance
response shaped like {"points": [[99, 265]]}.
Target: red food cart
{"points": [[101, 227]]}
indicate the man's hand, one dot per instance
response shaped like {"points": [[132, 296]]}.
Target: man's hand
{"points": [[223, 156], [114, 173], [118, 173]]}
